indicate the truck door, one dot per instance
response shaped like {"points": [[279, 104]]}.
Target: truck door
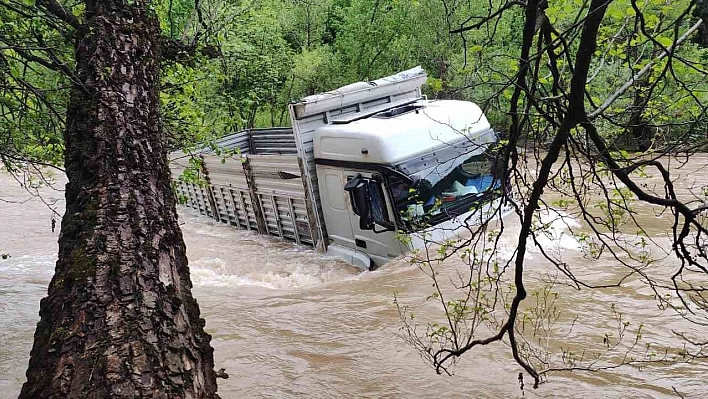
{"points": [[336, 205], [379, 243]]}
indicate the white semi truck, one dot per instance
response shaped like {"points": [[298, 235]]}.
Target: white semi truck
{"points": [[361, 167]]}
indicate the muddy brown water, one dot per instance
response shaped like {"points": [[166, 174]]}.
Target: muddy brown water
{"points": [[287, 322]]}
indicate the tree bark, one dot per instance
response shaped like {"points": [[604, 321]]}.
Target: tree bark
{"points": [[641, 133], [701, 11], [119, 319]]}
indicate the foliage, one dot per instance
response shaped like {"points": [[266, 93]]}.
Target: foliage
{"points": [[33, 95], [276, 51]]}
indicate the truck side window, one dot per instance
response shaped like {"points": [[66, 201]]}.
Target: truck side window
{"points": [[379, 211], [378, 203], [400, 189]]}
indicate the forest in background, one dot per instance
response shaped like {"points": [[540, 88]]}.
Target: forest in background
{"points": [[242, 62]]}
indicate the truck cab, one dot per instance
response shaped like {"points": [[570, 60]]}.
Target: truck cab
{"points": [[416, 169], [366, 172]]}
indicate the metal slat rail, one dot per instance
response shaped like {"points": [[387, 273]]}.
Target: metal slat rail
{"points": [[260, 189]]}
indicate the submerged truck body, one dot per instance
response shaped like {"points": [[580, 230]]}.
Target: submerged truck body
{"points": [[360, 167]]}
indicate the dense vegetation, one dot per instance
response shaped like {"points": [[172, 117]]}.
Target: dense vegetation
{"points": [[253, 57]]}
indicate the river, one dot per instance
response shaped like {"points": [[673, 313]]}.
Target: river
{"points": [[287, 322]]}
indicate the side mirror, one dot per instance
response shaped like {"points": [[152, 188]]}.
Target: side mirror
{"points": [[358, 189]]}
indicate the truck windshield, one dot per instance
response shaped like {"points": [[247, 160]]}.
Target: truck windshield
{"points": [[445, 190]]}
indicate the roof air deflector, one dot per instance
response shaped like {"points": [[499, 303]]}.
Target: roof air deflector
{"points": [[394, 112]]}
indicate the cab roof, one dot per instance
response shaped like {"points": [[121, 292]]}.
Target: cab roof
{"points": [[397, 135]]}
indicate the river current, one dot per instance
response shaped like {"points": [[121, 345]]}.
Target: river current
{"points": [[289, 323]]}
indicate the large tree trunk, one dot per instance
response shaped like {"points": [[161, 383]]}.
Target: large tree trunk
{"points": [[641, 133], [701, 11], [119, 320]]}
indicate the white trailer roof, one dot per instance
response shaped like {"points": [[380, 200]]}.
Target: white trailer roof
{"points": [[390, 140]]}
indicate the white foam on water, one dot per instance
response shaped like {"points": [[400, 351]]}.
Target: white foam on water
{"points": [[252, 260], [215, 272], [554, 238], [211, 278], [556, 235], [40, 265]]}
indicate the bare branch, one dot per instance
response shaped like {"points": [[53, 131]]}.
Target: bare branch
{"points": [[58, 10]]}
